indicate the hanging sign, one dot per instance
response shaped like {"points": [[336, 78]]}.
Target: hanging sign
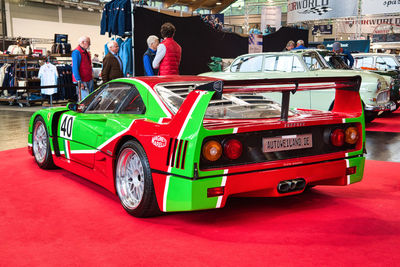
{"points": [[305, 10], [255, 43], [272, 16], [322, 29], [380, 6]]}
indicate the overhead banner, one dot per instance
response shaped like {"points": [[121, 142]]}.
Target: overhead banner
{"points": [[369, 7], [370, 25], [306, 10], [272, 16]]}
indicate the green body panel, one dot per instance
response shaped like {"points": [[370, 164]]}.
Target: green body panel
{"points": [[358, 162], [178, 198], [184, 194]]}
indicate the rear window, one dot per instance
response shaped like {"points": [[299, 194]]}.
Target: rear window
{"points": [[231, 106]]}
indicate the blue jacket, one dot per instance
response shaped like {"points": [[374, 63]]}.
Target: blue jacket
{"points": [[116, 18], [348, 58], [300, 47], [148, 58], [125, 53]]}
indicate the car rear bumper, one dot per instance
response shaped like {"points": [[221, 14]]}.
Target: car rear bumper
{"points": [[390, 106], [181, 194]]}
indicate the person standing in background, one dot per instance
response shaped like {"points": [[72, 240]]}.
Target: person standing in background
{"points": [[345, 54], [149, 55], [289, 46], [300, 45], [112, 64], [168, 56], [82, 72], [96, 58]]}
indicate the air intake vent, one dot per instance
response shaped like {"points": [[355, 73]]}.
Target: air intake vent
{"points": [[177, 153]]}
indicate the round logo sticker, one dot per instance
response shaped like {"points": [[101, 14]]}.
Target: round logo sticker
{"points": [[159, 141]]}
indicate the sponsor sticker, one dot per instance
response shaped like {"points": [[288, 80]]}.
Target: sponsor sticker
{"points": [[159, 141]]}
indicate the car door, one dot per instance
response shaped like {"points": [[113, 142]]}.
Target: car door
{"points": [[81, 133]]}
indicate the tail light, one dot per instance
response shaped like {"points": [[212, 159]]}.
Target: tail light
{"points": [[212, 150], [233, 149], [338, 137], [351, 135]]}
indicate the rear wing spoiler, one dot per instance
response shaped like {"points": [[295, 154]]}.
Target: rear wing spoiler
{"points": [[347, 98]]}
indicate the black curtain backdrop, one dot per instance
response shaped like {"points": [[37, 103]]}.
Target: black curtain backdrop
{"points": [[199, 41], [277, 41]]}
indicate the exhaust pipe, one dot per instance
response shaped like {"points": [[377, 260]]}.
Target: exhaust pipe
{"points": [[283, 187], [288, 186]]}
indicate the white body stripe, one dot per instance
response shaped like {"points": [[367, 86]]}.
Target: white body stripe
{"points": [[235, 130], [115, 136], [83, 151], [66, 147], [223, 183], [348, 165], [166, 191], [343, 120], [190, 113], [156, 97]]}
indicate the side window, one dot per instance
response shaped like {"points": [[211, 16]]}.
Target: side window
{"points": [[385, 63], [110, 98], [282, 63], [312, 62], [247, 64], [364, 62], [134, 104]]}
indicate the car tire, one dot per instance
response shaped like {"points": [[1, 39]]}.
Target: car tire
{"points": [[41, 144], [134, 182]]}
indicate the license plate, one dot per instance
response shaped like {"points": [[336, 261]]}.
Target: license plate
{"points": [[286, 142]]}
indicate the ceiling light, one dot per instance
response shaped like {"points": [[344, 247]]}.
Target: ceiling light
{"points": [[218, 3]]}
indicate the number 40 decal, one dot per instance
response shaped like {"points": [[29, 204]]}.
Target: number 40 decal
{"points": [[66, 126]]}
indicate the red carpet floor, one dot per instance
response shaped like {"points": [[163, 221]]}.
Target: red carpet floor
{"points": [[386, 123], [54, 218]]}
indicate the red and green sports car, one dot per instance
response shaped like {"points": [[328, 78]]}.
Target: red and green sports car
{"points": [[182, 143]]}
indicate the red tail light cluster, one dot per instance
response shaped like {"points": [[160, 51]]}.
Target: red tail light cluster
{"points": [[232, 149], [339, 137]]}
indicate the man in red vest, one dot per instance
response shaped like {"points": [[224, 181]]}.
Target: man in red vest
{"points": [[169, 52], [82, 72]]}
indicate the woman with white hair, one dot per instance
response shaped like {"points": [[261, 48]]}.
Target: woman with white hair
{"points": [[149, 55]]}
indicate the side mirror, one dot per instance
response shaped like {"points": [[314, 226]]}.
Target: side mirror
{"points": [[75, 107], [72, 106]]}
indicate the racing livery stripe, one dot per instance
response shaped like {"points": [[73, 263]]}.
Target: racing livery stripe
{"points": [[67, 149], [223, 183], [189, 115], [156, 97], [115, 136], [83, 151], [348, 176]]}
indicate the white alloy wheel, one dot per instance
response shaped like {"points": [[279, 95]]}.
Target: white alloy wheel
{"points": [[130, 178]]}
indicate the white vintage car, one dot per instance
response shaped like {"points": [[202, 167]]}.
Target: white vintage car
{"points": [[374, 91]]}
